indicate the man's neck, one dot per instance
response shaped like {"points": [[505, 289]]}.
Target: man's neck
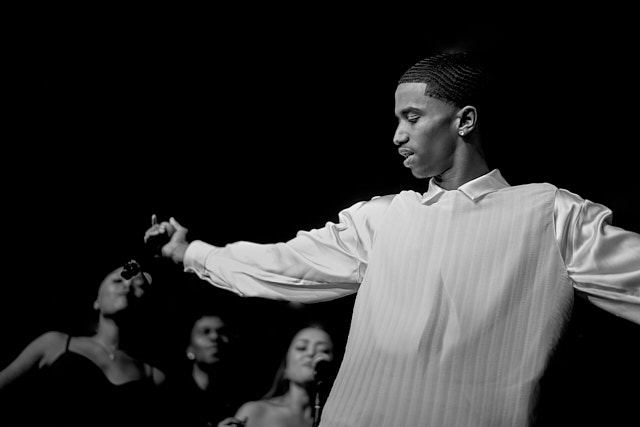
{"points": [[453, 180], [468, 164]]}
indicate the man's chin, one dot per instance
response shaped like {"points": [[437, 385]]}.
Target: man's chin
{"points": [[212, 360], [421, 174]]}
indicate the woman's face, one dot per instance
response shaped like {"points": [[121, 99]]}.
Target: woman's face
{"points": [[209, 340], [116, 293], [306, 346]]}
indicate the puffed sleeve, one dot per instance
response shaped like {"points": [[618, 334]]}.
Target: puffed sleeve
{"points": [[602, 260], [317, 265]]}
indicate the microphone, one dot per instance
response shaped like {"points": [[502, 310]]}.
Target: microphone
{"points": [[133, 268], [130, 269], [322, 367]]}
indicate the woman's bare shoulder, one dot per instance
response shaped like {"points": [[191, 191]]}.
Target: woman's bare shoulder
{"points": [[51, 344], [255, 408]]}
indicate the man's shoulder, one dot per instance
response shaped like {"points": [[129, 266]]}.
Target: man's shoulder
{"points": [[531, 189], [540, 186], [374, 203], [560, 194], [384, 199], [369, 211]]}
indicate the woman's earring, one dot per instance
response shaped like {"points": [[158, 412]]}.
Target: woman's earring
{"points": [[461, 132], [191, 356]]}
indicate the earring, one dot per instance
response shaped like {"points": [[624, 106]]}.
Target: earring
{"points": [[461, 132], [191, 356]]}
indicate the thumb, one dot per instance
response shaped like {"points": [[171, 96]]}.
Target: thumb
{"points": [[181, 231]]}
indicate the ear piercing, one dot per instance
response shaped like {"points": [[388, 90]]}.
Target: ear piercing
{"points": [[461, 132], [191, 356]]}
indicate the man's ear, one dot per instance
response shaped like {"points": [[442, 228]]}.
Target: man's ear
{"points": [[467, 119]]}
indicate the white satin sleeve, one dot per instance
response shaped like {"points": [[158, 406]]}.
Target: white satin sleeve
{"points": [[317, 265], [602, 260]]}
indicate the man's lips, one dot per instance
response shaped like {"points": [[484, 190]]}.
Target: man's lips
{"points": [[405, 152]]}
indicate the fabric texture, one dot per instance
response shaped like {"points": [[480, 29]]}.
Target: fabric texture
{"points": [[461, 295]]}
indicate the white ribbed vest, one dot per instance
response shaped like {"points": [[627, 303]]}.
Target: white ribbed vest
{"points": [[460, 307]]}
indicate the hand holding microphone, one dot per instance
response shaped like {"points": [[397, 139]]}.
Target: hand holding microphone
{"points": [[167, 239], [156, 236]]}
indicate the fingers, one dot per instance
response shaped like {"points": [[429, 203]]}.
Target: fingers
{"points": [[176, 225], [157, 229], [166, 227], [177, 230], [233, 422], [154, 230], [170, 236]]}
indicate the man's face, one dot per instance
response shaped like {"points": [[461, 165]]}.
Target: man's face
{"points": [[209, 339], [427, 131]]}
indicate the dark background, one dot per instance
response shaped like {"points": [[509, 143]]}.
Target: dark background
{"points": [[253, 126]]}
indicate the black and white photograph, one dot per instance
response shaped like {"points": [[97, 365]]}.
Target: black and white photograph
{"points": [[314, 217]]}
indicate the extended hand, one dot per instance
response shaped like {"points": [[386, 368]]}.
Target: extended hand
{"points": [[232, 422], [173, 232]]}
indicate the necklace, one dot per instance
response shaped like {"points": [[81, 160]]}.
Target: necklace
{"points": [[110, 353]]}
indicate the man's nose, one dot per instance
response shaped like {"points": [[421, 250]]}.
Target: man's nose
{"points": [[400, 137]]}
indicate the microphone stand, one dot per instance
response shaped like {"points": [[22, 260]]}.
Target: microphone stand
{"points": [[322, 368], [317, 407]]}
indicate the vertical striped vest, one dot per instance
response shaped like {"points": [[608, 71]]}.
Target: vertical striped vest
{"points": [[460, 307]]}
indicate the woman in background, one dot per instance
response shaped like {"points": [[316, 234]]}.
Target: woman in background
{"points": [[295, 397], [90, 379]]}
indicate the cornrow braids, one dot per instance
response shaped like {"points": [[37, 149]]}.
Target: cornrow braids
{"points": [[455, 78]]}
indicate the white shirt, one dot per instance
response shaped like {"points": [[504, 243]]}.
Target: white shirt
{"points": [[462, 294]]}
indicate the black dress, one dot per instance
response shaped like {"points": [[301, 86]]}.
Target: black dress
{"points": [[193, 407], [73, 390]]}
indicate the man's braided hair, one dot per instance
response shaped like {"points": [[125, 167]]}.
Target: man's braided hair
{"points": [[455, 78]]}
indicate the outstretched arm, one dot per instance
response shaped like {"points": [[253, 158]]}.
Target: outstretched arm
{"points": [[603, 260], [317, 265], [33, 357]]}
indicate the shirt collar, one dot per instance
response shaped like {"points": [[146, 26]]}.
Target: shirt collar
{"points": [[474, 189]]}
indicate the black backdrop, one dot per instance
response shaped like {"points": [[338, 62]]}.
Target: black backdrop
{"points": [[253, 127]]}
